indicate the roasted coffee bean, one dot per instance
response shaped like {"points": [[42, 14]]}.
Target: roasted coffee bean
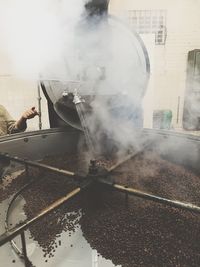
{"points": [[144, 234]]}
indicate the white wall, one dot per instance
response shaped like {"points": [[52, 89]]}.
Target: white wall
{"points": [[169, 60]]}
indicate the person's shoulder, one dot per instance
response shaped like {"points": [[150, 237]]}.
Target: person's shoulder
{"points": [[3, 110]]}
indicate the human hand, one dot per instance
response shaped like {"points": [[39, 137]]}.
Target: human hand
{"points": [[30, 113]]}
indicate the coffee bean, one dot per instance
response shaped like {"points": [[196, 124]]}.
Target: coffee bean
{"points": [[130, 237]]}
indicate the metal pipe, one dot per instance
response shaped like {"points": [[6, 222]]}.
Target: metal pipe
{"points": [[84, 123], [141, 194], [12, 233], [39, 165], [23, 240], [39, 107]]}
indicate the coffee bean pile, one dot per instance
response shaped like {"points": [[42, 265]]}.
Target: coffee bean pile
{"points": [[140, 233], [9, 185], [144, 233], [49, 188], [149, 172]]}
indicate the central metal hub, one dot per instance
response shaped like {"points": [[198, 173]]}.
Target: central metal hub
{"points": [[96, 170], [93, 167]]}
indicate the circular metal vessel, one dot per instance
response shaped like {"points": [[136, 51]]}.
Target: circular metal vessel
{"points": [[179, 148]]}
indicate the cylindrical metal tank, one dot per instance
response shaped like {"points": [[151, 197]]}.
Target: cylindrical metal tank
{"points": [[112, 63], [178, 148]]}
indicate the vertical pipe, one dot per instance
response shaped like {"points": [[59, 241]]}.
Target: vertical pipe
{"points": [[26, 260], [39, 107], [84, 122]]}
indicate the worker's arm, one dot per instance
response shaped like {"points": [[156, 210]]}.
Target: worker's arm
{"points": [[21, 125], [29, 114]]}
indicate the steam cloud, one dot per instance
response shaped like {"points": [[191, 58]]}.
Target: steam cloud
{"points": [[56, 40], [36, 34]]}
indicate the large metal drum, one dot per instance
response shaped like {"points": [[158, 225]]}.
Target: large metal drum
{"points": [[109, 63], [36, 145]]}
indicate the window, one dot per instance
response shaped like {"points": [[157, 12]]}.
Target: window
{"points": [[150, 21]]}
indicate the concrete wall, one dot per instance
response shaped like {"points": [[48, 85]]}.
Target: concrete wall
{"points": [[169, 61]]}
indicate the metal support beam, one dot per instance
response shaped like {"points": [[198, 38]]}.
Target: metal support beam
{"points": [[39, 165], [26, 260], [141, 194]]}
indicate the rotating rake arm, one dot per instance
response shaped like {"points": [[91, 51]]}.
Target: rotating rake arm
{"points": [[151, 197], [41, 166]]}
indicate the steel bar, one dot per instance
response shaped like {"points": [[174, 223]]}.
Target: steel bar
{"points": [[39, 165], [39, 106], [84, 123], [141, 194], [129, 157], [12, 233], [23, 240]]}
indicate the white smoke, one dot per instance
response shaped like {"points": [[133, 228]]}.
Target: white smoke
{"points": [[42, 37], [35, 34], [53, 39], [191, 113]]}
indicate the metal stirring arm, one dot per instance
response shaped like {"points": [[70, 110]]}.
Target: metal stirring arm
{"points": [[96, 174]]}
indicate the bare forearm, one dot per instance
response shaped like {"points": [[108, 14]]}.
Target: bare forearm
{"points": [[21, 124], [29, 114]]}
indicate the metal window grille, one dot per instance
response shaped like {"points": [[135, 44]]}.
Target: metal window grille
{"points": [[149, 21]]}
